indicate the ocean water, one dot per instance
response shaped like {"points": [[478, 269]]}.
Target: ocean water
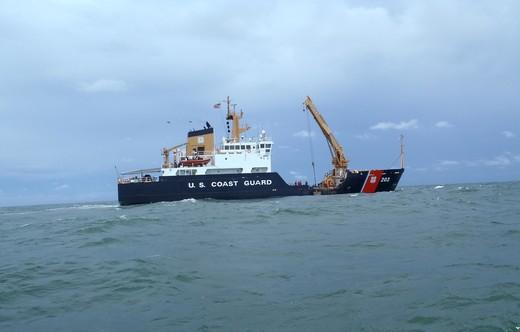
{"points": [[429, 258]]}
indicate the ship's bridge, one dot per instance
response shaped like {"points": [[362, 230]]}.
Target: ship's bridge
{"points": [[251, 155], [229, 146]]}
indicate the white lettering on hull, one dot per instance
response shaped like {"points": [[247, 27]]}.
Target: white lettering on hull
{"points": [[231, 183], [258, 182], [220, 184]]}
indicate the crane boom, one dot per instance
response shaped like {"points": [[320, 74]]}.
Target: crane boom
{"points": [[166, 154], [339, 160]]}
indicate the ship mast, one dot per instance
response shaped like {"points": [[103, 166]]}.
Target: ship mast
{"points": [[235, 117], [401, 156]]}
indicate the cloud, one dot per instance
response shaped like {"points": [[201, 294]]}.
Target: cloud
{"points": [[443, 124], [417, 169], [449, 163], [104, 85], [508, 134], [445, 164], [366, 136], [62, 187], [304, 133], [298, 176], [502, 160], [403, 125]]}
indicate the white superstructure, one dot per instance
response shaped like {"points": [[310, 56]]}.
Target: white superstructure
{"points": [[236, 154], [246, 155]]}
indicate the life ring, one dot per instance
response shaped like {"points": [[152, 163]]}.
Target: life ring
{"points": [[329, 183]]}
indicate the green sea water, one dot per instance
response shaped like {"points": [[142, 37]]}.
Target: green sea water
{"points": [[428, 258]]}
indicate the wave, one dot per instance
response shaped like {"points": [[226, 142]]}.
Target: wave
{"points": [[467, 189], [101, 242], [297, 211], [189, 200], [85, 207]]}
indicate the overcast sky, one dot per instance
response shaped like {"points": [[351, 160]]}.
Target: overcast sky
{"points": [[86, 85]]}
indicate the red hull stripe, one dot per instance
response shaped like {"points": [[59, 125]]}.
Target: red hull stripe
{"points": [[372, 181]]}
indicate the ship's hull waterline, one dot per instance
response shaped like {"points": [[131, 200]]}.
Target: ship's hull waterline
{"points": [[248, 186]]}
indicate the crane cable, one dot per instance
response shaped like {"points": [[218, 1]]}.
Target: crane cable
{"points": [[310, 145]]}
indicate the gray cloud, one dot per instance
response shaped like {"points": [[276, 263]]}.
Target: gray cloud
{"points": [[304, 133], [403, 125], [104, 85], [443, 124]]}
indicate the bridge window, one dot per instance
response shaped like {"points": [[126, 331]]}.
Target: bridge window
{"points": [[268, 146], [262, 146], [243, 147], [226, 147]]}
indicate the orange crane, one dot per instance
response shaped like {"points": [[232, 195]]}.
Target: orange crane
{"points": [[166, 155], [339, 159]]}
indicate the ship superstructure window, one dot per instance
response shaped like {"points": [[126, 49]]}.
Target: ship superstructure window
{"points": [[226, 147], [262, 146], [224, 171], [186, 172], [268, 146], [243, 147]]}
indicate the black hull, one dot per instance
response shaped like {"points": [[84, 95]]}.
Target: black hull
{"points": [[247, 186], [370, 181], [221, 186]]}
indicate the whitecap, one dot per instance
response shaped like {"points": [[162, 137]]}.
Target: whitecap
{"points": [[189, 200], [438, 187], [17, 213], [97, 206], [85, 207]]}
